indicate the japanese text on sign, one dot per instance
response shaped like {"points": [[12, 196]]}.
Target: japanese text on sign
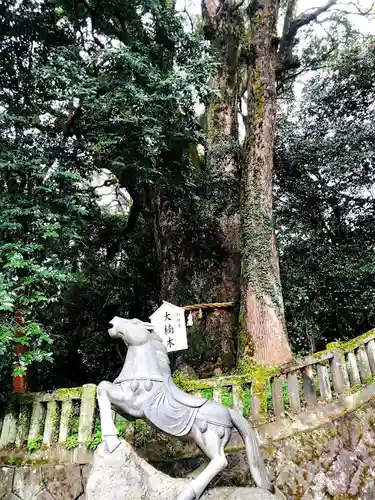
{"points": [[169, 323]]}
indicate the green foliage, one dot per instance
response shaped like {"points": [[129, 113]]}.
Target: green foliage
{"points": [[72, 442], [109, 283], [137, 90], [34, 444], [43, 189], [74, 421], [285, 393], [34, 337], [246, 402], [226, 397], [324, 202], [143, 433], [66, 263], [96, 439], [207, 393], [94, 442]]}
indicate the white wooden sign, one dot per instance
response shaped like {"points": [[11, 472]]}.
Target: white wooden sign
{"points": [[169, 323]]}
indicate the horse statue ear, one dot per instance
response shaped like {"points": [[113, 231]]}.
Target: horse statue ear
{"points": [[148, 326]]}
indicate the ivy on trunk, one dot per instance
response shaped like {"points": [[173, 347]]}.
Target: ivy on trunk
{"points": [[264, 336]]}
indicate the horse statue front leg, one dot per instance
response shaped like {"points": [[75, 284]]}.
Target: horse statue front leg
{"points": [[108, 394]]}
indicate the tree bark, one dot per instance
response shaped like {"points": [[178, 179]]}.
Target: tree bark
{"points": [[224, 29], [263, 334], [200, 262], [197, 234]]}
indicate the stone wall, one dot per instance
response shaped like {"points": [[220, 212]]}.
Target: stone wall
{"points": [[47, 482], [334, 461]]}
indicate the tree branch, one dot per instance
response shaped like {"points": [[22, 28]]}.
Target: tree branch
{"points": [[237, 5], [189, 17], [305, 18], [210, 7], [106, 183], [135, 210], [286, 59], [289, 15], [363, 12], [137, 206], [98, 42]]}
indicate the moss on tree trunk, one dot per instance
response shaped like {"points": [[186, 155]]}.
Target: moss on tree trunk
{"points": [[263, 331]]}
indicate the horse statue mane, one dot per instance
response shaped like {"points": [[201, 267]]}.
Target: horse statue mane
{"points": [[161, 353]]}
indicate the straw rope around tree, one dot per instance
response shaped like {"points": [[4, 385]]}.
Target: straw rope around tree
{"points": [[213, 305]]}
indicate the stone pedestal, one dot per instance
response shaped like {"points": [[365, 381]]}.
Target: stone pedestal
{"points": [[124, 475]]}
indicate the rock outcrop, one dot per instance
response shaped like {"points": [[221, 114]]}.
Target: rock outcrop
{"points": [[123, 475]]}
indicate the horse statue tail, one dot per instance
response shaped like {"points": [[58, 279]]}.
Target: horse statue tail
{"points": [[257, 468]]}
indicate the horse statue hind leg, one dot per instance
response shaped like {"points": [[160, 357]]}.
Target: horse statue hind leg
{"points": [[212, 438], [212, 441]]}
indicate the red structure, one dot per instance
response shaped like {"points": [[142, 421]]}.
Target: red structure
{"points": [[20, 381]]}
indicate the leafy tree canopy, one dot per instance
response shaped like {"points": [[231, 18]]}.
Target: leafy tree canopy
{"points": [[86, 86], [44, 195], [325, 201]]}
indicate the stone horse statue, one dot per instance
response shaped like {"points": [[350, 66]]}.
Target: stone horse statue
{"points": [[145, 389]]}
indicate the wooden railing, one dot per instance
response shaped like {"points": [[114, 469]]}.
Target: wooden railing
{"points": [[262, 395]]}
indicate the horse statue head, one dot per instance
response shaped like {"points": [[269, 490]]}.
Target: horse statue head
{"points": [[147, 355], [131, 331]]}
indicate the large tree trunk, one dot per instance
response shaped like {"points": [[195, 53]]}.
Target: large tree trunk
{"points": [[197, 234], [224, 29], [200, 262], [263, 336], [262, 332]]}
